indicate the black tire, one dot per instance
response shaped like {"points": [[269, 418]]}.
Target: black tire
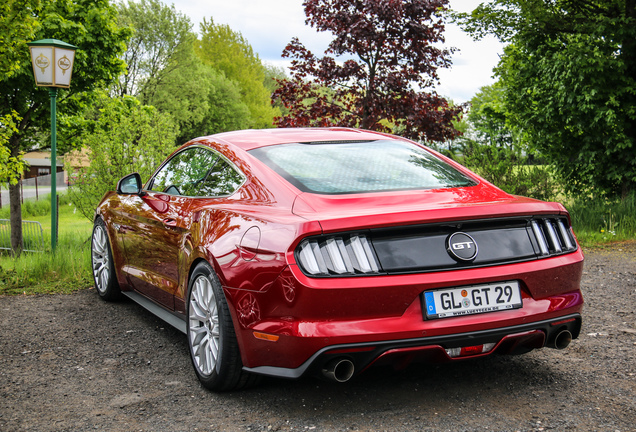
{"points": [[103, 267], [214, 350]]}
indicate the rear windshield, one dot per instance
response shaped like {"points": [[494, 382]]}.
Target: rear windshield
{"points": [[354, 167]]}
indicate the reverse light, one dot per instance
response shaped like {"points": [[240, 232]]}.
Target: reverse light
{"points": [[469, 350], [337, 255]]}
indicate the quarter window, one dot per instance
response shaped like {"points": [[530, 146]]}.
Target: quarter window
{"points": [[222, 180], [197, 172]]}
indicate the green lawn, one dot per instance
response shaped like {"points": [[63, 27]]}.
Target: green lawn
{"points": [[598, 221], [63, 272]]}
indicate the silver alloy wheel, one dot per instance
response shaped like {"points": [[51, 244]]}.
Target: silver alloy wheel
{"points": [[204, 331], [101, 261]]}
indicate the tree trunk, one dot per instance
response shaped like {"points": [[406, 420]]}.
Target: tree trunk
{"points": [[15, 209], [15, 205]]}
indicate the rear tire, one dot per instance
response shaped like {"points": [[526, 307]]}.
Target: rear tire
{"points": [[102, 263], [214, 350]]}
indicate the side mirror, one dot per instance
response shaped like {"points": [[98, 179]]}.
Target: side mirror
{"points": [[130, 184]]}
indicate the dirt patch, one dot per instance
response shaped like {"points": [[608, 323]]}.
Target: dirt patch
{"points": [[76, 363]]}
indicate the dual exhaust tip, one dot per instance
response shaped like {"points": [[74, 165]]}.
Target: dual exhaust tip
{"points": [[562, 340], [339, 370]]}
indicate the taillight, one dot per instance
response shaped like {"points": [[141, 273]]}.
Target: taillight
{"points": [[553, 235], [337, 255]]}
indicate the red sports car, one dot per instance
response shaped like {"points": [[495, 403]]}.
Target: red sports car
{"points": [[287, 252]]}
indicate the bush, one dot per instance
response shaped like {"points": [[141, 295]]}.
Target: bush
{"points": [[126, 137], [508, 168]]}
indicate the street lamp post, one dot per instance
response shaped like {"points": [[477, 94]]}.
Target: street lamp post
{"points": [[52, 67]]}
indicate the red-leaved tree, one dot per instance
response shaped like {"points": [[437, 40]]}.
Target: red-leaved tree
{"points": [[390, 56]]}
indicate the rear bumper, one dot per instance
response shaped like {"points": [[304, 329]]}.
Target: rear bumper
{"points": [[295, 324], [400, 353]]}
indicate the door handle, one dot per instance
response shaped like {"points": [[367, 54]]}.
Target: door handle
{"points": [[170, 222]]}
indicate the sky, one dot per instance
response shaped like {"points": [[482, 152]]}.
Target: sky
{"points": [[269, 25]]}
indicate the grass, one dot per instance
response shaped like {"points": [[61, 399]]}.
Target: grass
{"points": [[599, 221], [65, 271]]}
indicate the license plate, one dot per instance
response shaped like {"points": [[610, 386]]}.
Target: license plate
{"points": [[474, 299]]}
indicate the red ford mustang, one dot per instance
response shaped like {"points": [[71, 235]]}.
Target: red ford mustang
{"points": [[327, 251]]}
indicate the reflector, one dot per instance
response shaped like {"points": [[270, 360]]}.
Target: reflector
{"points": [[265, 336]]}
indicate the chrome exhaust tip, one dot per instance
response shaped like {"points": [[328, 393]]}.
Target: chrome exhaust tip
{"points": [[339, 370], [562, 340]]}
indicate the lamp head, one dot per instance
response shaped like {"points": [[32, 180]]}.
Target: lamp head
{"points": [[52, 62]]}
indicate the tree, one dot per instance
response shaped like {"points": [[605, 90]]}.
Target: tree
{"points": [[8, 164], [569, 82], [17, 23], [384, 53], [489, 118], [160, 34], [164, 71], [127, 137], [497, 151], [229, 52], [162, 68], [273, 76], [88, 24], [226, 110]]}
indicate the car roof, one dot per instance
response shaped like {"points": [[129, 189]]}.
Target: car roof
{"points": [[255, 138]]}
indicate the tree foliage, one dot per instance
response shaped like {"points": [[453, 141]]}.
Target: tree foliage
{"points": [[18, 23], [162, 69], [569, 82], [226, 112], [88, 24], [229, 52], [165, 71], [160, 35], [489, 118], [384, 53], [497, 151], [127, 137], [9, 164]]}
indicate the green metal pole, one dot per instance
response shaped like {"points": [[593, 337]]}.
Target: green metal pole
{"points": [[53, 93]]}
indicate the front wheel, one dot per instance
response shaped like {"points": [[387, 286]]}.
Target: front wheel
{"points": [[102, 263], [213, 346]]}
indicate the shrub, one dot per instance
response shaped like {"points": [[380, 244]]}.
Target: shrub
{"points": [[126, 137], [508, 167]]}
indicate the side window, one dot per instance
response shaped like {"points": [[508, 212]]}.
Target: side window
{"points": [[182, 174], [197, 172], [222, 180]]}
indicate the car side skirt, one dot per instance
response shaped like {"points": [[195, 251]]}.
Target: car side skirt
{"points": [[176, 321]]}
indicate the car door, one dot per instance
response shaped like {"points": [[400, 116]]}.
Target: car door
{"points": [[158, 224]]}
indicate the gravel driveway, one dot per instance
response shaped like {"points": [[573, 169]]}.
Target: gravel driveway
{"points": [[76, 363]]}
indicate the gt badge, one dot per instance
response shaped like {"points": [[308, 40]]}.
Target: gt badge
{"points": [[462, 247]]}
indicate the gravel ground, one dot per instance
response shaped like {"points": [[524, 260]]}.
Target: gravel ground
{"points": [[76, 363]]}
